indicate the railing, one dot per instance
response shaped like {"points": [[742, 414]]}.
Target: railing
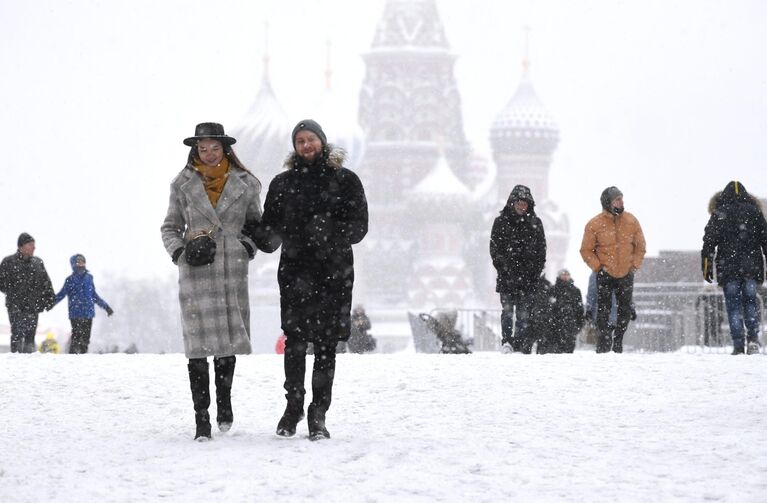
{"points": [[696, 321], [666, 321]]}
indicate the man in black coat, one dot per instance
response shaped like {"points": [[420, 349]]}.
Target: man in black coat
{"points": [[735, 241], [567, 314], [518, 251], [316, 210], [28, 291]]}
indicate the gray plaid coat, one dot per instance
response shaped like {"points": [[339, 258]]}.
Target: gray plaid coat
{"points": [[215, 312]]}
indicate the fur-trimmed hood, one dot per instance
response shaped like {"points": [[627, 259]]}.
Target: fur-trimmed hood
{"points": [[334, 157], [730, 195]]}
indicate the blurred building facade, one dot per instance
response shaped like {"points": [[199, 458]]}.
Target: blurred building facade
{"points": [[432, 197]]}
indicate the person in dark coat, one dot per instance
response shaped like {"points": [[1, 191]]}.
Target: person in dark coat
{"points": [[735, 246], [518, 251], [316, 210], [541, 325], [567, 313], [360, 341], [28, 292], [81, 295], [210, 201]]}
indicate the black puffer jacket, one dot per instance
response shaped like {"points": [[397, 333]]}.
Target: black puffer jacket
{"points": [[567, 314], [316, 212], [518, 245], [26, 284], [735, 236]]}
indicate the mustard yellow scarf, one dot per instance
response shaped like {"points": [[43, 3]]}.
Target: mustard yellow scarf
{"points": [[213, 178]]}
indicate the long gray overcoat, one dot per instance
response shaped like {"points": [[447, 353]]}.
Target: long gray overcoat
{"points": [[215, 312]]}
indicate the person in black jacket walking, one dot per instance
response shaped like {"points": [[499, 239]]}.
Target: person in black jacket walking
{"points": [[518, 251], [28, 291], [735, 244], [316, 210], [567, 313]]}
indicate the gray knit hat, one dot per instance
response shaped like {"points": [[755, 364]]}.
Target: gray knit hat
{"points": [[24, 238], [608, 196], [309, 125]]}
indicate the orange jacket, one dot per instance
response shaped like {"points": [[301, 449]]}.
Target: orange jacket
{"points": [[614, 242]]}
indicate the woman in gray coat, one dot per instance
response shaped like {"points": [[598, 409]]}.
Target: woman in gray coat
{"points": [[210, 200]]}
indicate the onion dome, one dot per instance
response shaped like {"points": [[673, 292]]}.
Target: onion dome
{"points": [[441, 185], [263, 134], [524, 125]]}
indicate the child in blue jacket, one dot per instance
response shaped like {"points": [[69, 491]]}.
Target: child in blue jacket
{"points": [[81, 293]]}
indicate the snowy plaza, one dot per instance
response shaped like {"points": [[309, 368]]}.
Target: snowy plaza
{"points": [[682, 426]]}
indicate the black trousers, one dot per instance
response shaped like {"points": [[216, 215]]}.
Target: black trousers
{"points": [[322, 374], [23, 328], [81, 335], [610, 338]]}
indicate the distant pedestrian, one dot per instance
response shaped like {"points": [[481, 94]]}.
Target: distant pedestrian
{"points": [[613, 246], [518, 251], [735, 246], [81, 296], [360, 341], [210, 200], [567, 313], [316, 210], [28, 292]]}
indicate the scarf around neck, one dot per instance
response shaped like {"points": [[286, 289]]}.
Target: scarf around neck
{"points": [[213, 178]]}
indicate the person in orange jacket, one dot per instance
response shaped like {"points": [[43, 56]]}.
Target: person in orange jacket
{"points": [[613, 246]]}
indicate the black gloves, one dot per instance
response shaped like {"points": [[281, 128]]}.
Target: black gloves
{"points": [[633, 313], [249, 249], [176, 255], [110, 311], [707, 264]]}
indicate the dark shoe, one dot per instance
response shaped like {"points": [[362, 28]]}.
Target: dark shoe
{"points": [[752, 347], [316, 420], [738, 350], [289, 420], [224, 370], [203, 427]]}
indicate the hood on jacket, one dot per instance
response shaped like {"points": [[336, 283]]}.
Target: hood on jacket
{"points": [[333, 156], [733, 192], [520, 192], [73, 261]]}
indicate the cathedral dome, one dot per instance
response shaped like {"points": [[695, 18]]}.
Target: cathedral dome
{"points": [[524, 125], [263, 135]]}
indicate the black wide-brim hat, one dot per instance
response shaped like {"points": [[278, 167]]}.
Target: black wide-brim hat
{"points": [[210, 130]]}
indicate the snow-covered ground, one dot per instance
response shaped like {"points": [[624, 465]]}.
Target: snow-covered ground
{"points": [[687, 426]]}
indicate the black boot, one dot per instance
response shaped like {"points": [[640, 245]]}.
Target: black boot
{"points": [[738, 350], [604, 342], [224, 369], [199, 381], [316, 419], [294, 412], [618, 344]]}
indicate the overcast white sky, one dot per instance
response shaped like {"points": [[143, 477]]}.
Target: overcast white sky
{"points": [[666, 100]]}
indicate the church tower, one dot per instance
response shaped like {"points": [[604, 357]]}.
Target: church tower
{"points": [[409, 106], [523, 138]]}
